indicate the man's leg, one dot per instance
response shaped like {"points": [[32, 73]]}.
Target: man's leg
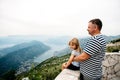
{"points": [[90, 78], [81, 76]]}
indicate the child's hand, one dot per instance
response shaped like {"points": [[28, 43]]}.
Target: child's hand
{"points": [[65, 65]]}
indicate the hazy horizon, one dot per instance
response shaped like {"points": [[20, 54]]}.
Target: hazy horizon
{"points": [[52, 36]]}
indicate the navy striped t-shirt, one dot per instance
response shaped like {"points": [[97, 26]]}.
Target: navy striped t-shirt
{"points": [[95, 47]]}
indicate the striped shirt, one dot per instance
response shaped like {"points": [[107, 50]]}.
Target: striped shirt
{"points": [[95, 47]]}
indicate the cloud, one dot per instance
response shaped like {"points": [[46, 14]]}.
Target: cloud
{"points": [[57, 17]]}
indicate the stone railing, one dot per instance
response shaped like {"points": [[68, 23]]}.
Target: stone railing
{"points": [[67, 74], [111, 66], [111, 69]]}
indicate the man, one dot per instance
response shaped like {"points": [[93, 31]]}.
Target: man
{"points": [[93, 53]]}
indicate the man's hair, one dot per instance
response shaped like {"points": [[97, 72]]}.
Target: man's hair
{"points": [[98, 22]]}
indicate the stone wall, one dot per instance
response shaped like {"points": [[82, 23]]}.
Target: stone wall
{"points": [[111, 66], [68, 74], [111, 69]]}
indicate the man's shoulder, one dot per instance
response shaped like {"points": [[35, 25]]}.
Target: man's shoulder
{"points": [[98, 37]]}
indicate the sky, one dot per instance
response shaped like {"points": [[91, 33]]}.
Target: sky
{"points": [[57, 17]]}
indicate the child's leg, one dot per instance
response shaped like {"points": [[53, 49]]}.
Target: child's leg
{"points": [[63, 65]]}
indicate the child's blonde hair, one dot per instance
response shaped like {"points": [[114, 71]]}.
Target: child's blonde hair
{"points": [[75, 41]]}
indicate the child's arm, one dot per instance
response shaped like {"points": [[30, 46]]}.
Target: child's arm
{"points": [[70, 60]]}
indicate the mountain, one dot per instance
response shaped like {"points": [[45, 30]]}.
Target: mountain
{"points": [[110, 38], [62, 52], [59, 40], [5, 51], [18, 39], [21, 53]]}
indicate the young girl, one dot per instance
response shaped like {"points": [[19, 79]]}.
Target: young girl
{"points": [[76, 50]]}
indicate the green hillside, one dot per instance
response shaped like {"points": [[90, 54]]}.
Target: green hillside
{"points": [[113, 46], [47, 70]]}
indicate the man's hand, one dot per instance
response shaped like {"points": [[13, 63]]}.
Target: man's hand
{"points": [[82, 57]]}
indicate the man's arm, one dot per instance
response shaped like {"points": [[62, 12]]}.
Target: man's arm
{"points": [[82, 57]]}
